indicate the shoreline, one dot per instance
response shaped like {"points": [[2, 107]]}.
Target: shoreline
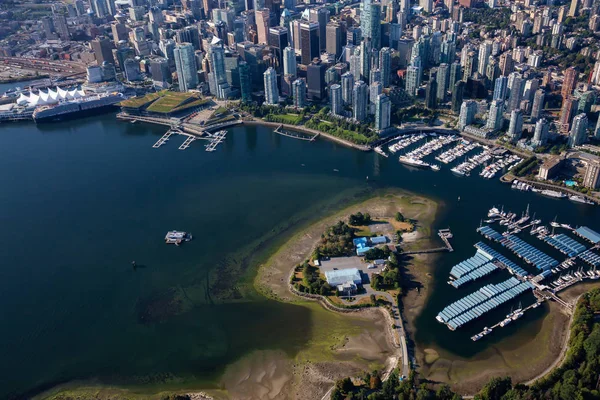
{"points": [[303, 129]]}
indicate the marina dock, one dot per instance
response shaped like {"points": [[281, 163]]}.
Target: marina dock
{"points": [[295, 135], [163, 139], [187, 142], [215, 139]]}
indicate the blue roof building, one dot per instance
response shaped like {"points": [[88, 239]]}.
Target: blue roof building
{"points": [[588, 234], [379, 240]]}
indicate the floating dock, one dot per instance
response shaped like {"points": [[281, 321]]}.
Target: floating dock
{"points": [[163, 139], [215, 140], [565, 244], [187, 143], [480, 302], [529, 253]]}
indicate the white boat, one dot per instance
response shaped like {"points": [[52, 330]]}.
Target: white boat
{"points": [[177, 237], [435, 167], [580, 199], [413, 162], [505, 322], [553, 193]]}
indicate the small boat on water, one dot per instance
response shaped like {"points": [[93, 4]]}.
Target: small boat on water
{"points": [[580, 199], [505, 322], [177, 237]]}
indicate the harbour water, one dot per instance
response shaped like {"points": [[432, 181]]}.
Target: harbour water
{"points": [[82, 199]]}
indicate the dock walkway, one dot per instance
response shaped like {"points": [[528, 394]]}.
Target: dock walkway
{"points": [[295, 135]]}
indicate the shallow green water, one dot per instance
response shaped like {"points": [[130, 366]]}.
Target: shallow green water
{"points": [[81, 199]]}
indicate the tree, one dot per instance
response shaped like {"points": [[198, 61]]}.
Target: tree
{"points": [[373, 299], [399, 217], [496, 388], [345, 385]]}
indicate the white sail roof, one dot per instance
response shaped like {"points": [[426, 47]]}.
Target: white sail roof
{"points": [[49, 97]]}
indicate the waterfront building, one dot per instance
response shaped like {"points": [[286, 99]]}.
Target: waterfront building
{"points": [[245, 81], [185, 63], [161, 74], [495, 119], [347, 87], [383, 110], [299, 93], [359, 101], [515, 128], [540, 136], [336, 100], [516, 91], [592, 174], [271, 89], [578, 134], [468, 109]]}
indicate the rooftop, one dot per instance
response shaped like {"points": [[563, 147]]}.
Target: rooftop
{"points": [[588, 234]]}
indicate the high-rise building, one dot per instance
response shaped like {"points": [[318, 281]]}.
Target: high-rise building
{"points": [[102, 48], [218, 70], [385, 65], [574, 8], [315, 74], [359, 101], [516, 91], [540, 136], [245, 82], [578, 134], [457, 96], [289, 61], [495, 119], [431, 93], [468, 109], [500, 88], [278, 40], [336, 101], [263, 23], [538, 105], [469, 66], [506, 64], [309, 42], [427, 5], [271, 90], [375, 89], [569, 82], [99, 8], [455, 76], [413, 79], [448, 51], [443, 77], [320, 16], [383, 111], [567, 111], [515, 128], [597, 130], [333, 39], [185, 63], [347, 87], [365, 60], [592, 175], [299, 93], [373, 33], [485, 50], [160, 71], [119, 32], [189, 34]]}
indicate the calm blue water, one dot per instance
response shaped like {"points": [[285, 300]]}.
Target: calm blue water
{"points": [[80, 200]]}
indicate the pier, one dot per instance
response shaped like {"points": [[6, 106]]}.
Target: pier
{"points": [[295, 135], [187, 142], [215, 140], [163, 139], [487, 331]]}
